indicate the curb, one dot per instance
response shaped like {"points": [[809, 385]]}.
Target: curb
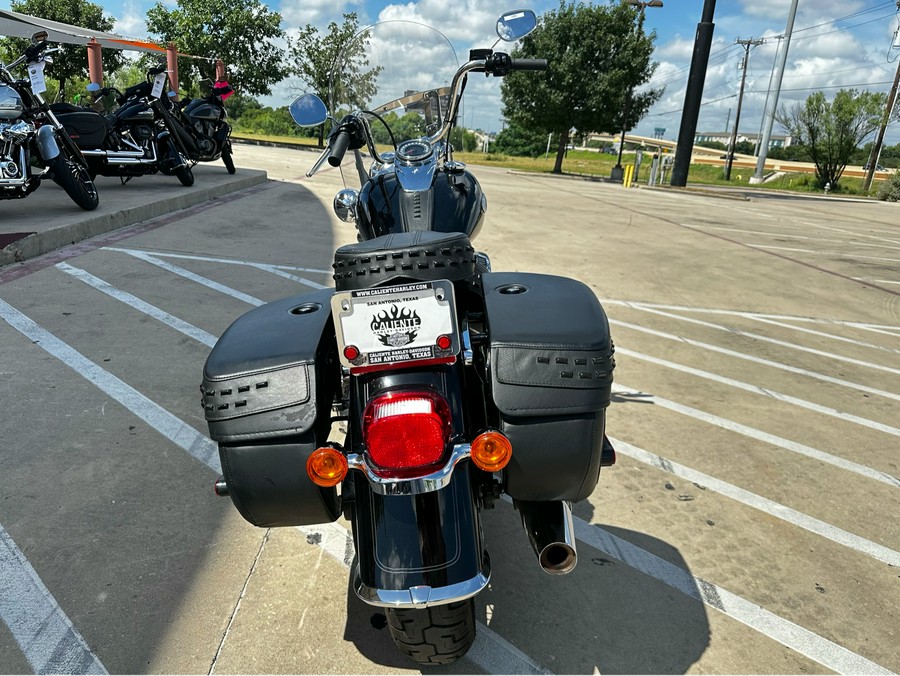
{"points": [[94, 223]]}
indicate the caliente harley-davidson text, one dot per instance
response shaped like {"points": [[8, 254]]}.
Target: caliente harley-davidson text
{"points": [[29, 130], [455, 384]]}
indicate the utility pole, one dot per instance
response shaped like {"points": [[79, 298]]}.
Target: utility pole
{"points": [[693, 94], [770, 115], [748, 44], [876, 151]]}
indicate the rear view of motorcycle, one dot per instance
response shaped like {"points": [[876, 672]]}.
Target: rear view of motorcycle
{"points": [[456, 385], [135, 140], [30, 131]]}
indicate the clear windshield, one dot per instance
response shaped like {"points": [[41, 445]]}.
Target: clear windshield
{"points": [[400, 70]]}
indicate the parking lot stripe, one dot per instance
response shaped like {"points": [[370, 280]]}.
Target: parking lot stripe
{"points": [[187, 274], [758, 360], [629, 394], [756, 336], [770, 507], [45, 635], [151, 310], [180, 433], [831, 336], [795, 637], [758, 389], [213, 259]]}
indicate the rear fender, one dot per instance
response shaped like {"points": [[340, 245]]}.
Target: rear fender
{"points": [[423, 549]]}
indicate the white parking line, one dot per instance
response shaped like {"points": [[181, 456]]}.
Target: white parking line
{"points": [[44, 633], [213, 259], [760, 337], [151, 310], [187, 274], [770, 507], [758, 360], [795, 637], [839, 254], [150, 412], [822, 334], [758, 435]]}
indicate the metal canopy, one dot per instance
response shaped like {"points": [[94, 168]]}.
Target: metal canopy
{"points": [[18, 25]]}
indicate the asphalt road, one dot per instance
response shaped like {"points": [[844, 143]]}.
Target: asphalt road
{"points": [[750, 525]]}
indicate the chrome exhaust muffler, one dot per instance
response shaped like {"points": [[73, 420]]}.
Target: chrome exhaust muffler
{"points": [[551, 532]]}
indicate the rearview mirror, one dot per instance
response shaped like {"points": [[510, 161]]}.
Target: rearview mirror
{"points": [[308, 111], [93, 87], [514, 25], [40, 36]]}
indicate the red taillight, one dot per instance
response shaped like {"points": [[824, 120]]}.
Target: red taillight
{"points": [[406, 431]]}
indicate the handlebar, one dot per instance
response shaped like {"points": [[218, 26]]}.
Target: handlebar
{"points": [[529, 64], [338, 147]]}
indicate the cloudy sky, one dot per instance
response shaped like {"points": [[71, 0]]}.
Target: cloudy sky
{"points": [[836, 43]]}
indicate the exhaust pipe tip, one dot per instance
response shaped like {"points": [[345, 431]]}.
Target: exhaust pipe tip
{"points": [[551, 533], [558, 558]]}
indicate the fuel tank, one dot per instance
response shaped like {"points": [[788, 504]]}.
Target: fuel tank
{"points": [[199, 109], [139, 111], [11, 106], [453, 203]]}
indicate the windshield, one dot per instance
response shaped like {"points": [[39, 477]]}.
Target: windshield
{"points": [[401, 70]]}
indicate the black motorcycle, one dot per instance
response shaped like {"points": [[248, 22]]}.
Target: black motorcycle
{"points": [[139, 138], [29, 131], [456, 385], [205, 122]]}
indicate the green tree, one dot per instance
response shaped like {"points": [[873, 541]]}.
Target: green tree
{"points": [[70, 63], [519, 141], [831, 132], [598, 57], [315, 61], [239, 32]]}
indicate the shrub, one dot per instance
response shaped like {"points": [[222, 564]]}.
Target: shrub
{"points": [[889, 191]]}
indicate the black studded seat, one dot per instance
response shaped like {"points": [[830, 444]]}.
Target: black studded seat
{"points": [[406, 256]]}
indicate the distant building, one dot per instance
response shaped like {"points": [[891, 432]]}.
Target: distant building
{"points": [[724, 137]]}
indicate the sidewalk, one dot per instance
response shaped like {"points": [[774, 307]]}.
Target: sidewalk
{"points": [[47, 219]]}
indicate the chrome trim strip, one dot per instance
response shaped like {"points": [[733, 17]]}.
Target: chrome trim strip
{"points": [[424, 484], [422, 596]]}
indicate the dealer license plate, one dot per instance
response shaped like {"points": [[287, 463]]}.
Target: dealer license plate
{"points": [[396, 325]]}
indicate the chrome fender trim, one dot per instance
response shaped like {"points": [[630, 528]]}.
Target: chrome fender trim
{"points": [[46, 140], [424, 484], [423, 596]]}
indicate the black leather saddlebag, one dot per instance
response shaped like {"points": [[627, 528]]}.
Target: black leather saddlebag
{"points": [[86, 127], [551, 365], [268, 386]]}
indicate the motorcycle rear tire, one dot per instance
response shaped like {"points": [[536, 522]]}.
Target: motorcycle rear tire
{"points": [[73, 177], [228, 159], [436, 635]]}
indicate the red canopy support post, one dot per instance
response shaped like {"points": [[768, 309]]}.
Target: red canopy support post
{"points": [[172, 61], [220, 70], [95, 61]]}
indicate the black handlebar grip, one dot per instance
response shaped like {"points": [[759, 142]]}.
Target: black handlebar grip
{"points": [[338, 148], [528, 64]]}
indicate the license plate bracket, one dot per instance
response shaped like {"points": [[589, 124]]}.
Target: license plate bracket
{"points": [[396, 325]]}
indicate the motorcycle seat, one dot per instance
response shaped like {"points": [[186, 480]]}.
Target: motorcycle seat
{"points": [[402, 257]]}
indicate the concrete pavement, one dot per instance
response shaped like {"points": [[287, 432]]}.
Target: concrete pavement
{"points": [[47, 219]]}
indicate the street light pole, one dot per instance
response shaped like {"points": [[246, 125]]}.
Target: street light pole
{"points": [[737, 118], [692, 95], [618, 172]]}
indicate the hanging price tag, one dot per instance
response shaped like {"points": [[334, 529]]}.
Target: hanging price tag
{"points": [[36, 75], [158, 83]]}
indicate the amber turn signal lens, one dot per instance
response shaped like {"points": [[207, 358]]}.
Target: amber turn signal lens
{"points": [[491, 451], [326, 467]]}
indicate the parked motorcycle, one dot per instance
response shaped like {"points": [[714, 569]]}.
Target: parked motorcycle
{"points": [[29, 131], [456, 384], [139, 138], [204, 120]]}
